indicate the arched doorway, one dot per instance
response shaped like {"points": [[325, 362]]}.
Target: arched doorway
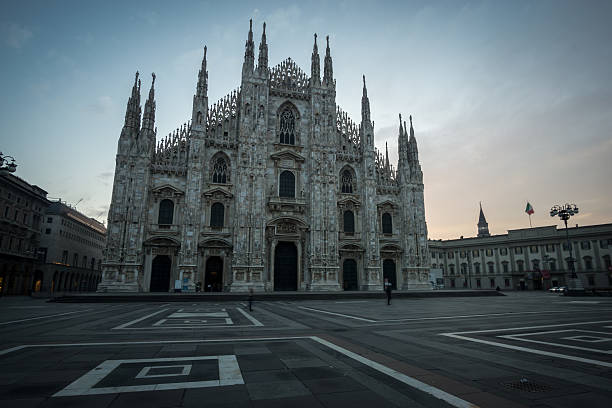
{"points": [[37, 282], [160, 273], [285, 266], [389, 272], [213, 279], [349, 273]]}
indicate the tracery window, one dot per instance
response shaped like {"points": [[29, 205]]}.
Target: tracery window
{"points": [[349, 222], [347, 182], [217, 213], [387, 225], [287, 127], [166, 212], [219, 173], [287, 184]]}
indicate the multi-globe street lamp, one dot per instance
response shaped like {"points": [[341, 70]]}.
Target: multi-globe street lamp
{"points": [[5, 165], [565, 211]]}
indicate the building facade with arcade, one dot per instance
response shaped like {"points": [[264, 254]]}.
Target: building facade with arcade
{"points": [[273, 187]]}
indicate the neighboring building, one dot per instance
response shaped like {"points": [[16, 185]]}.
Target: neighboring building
{"points": [[71, 250], [21, 210], [529, 258], [274, 187]]}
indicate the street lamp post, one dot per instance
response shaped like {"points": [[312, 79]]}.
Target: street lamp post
{"points": [[5, 166], [564, 212]]}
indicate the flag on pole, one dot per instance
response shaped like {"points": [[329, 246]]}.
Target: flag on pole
{"points": [[529, 209]]}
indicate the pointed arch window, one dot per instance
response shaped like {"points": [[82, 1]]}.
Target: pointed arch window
{"points": [[287, 127], [287, 184], [349, 222], [347, 182], [220, 174], [387, 224], [217, 214], [166, 212]]}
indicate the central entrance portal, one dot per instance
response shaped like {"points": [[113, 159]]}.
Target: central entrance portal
{"points": [[285, 266], [213, 281], [160, 274]]}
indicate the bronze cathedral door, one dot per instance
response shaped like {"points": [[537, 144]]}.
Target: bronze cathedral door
{"points": [[285, 266]]}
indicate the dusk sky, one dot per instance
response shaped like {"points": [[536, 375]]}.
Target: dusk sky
{"points": [[511, 100]]}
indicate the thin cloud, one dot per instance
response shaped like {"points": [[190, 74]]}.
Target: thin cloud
{"points": [[15, 35]]}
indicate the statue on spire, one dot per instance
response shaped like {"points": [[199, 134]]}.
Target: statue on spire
{"points": [[365, 104], [315, 65], [249, 52], [202, 87], [328, 71], [262, 63]]}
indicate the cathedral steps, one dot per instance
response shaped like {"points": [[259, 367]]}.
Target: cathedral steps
{"points": [[260, 296]]}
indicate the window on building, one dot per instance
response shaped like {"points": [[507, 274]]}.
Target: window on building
{"points": [[219, 171], [347, 182], [463, 268], [490, 267], [489, 252], [287, 127], [287, 184], [507, 283], [503, 251], [565, 246], [387, 225], [569, 261], [605, 243], [84, 264], [520, 266], [93, 263], [6, 211], [75, 260], [552, 265], [476, 267], [433, 266], [451, 255], [25, 218], [533, 249], [47, 231], [349, 222], [465, 283], [478, 284], [550, 247], [607, 262], [492, 282], [475, 252], [535, 265], [49, 220], [462, 254], [217, 215], [452, 283], [518, 250], [588, 263], [585, 245], [64, 257], [166, 212], [452, 269], [591, 279]]}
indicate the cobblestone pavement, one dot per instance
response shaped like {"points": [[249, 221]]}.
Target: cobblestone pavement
{"points": [[519, 350]]}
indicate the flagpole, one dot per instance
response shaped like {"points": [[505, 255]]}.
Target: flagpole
{"points": [[530, 221]]}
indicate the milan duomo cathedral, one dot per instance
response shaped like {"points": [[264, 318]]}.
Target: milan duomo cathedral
{"points": [[273, 188]]}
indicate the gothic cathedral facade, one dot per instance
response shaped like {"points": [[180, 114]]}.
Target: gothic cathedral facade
{"points": [[273, 187]]}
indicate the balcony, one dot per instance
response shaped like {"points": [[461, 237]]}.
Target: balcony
{"points": [[171, 229], [287, 204]]}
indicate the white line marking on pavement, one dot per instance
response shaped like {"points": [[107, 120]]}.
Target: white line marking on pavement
{"points": [[485, 315], [338, 314], [519, 337], [229, 374], [458, 335], [413, 382], [351, 301], [124, 325], [44, 317], [251, 318], [228, 370]]}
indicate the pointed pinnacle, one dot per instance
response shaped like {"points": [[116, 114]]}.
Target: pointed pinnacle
{"points": [[153, 75], [327, 38], [264, 28]]}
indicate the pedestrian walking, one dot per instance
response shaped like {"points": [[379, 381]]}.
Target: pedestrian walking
{"points": [[388, 288], [250, 299]]}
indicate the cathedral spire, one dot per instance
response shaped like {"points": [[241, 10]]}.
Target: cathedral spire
{"points": [[402, 144], [483, 226], [365, 104], [262, 63], [133, 110], [202, 87], [386, 156], [315, 65], [249, 52], [148, 119], [413, 151], [328, 71]]}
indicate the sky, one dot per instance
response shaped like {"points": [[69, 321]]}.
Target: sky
{"points": [[511, 100]]}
